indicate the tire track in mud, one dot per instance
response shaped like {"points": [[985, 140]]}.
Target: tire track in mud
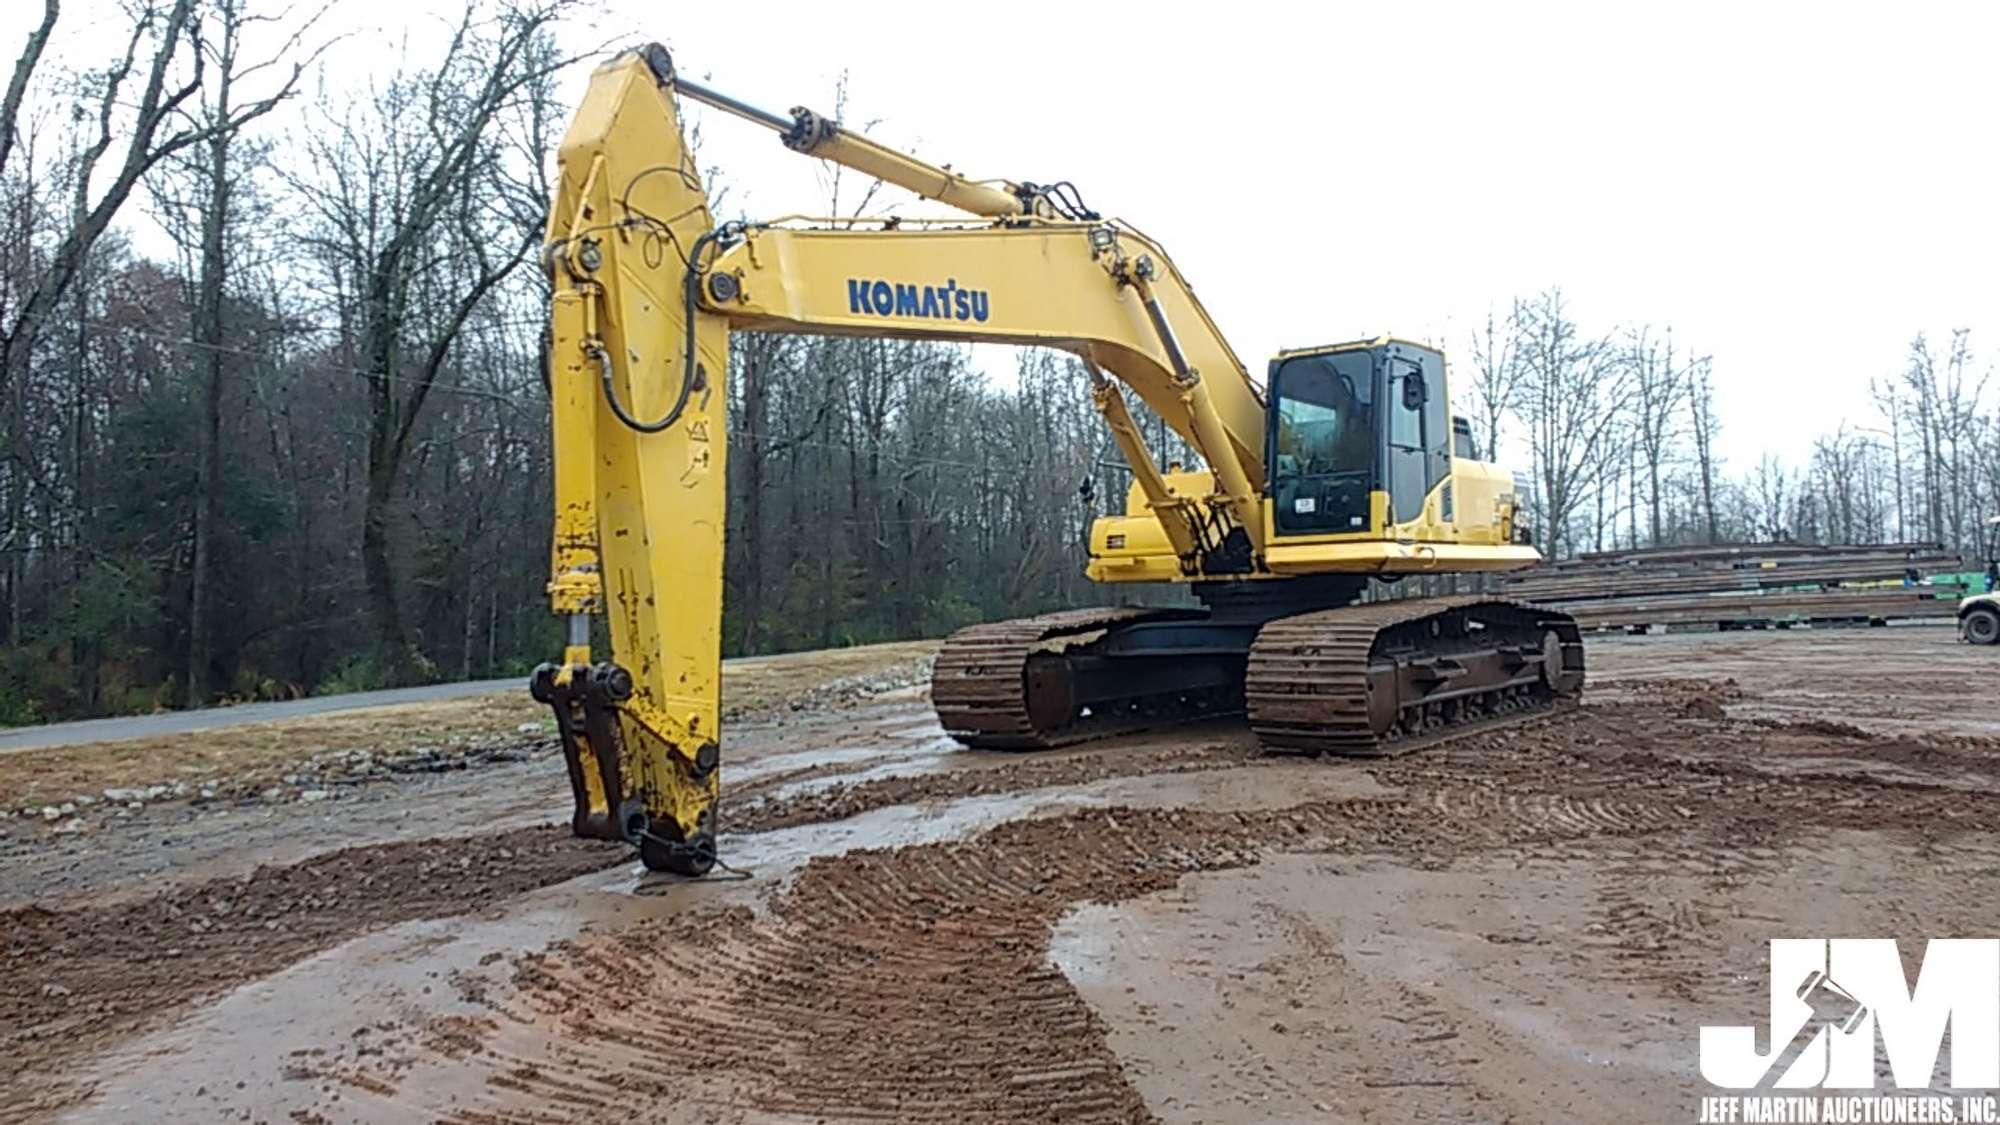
{"points": [[887, 985], [914, 984], [76, 979], [1016, 773], [1682, 790]]}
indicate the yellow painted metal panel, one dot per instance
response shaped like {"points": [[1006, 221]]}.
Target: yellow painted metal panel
{"points": [[1028, 283], [639, 515], [1399, 558]]}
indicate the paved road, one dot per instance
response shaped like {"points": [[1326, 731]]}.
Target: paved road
{"points": [[183, 722]]}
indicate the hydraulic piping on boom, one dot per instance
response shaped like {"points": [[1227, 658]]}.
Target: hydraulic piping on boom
{"points": [[1343, 466]]}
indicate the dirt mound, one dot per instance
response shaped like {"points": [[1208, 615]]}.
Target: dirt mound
{"points": [[1819, 728], [1686, 696], [1704, 707], [1684, 687]]}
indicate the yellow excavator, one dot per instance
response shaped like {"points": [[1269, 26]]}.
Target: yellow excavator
{"points": [[1345, 466]]}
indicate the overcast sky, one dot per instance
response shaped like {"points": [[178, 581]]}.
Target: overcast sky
{"points": [[1795, 188]]}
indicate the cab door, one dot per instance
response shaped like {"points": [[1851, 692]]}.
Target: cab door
{"points": [[1406, 459], [1416, 431]]}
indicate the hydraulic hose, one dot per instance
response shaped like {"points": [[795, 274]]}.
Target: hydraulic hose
{"points": [[611, 395], [691, 284]]}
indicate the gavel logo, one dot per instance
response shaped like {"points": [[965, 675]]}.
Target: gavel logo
{"points": [[1833, 1008], [1832, 1005]]}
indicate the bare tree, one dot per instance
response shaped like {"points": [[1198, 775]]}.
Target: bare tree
{"points": [[199, 204], [24, 73], [1703, 424], [1934, 404], [1839, 477], [1889, 403], [1959, 402], [1661, 384], [1608, 498], [1920, 380], [164, 57], [1573, 390], [415, 227], [1772, 485], [142, 109], [1496, 382]]}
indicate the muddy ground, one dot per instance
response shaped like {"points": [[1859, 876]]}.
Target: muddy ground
{"points": [[1526, 924]]}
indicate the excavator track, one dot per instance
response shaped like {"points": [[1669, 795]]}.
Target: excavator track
{"points": [[1036, 682], [1389, 677]]}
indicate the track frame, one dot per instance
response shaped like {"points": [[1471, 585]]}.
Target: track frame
{"points": [[1367, 679]]}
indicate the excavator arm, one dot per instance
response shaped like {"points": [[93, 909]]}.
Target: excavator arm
{"points": [[647, 287]]}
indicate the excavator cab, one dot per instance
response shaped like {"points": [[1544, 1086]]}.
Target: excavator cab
{"points": [[1359, 438], [1367, 474]]}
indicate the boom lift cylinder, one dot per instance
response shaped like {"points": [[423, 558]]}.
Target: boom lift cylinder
{"points": [[1213, 443]]}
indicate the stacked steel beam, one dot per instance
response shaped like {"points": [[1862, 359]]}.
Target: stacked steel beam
{"points": [[1746, 585]]}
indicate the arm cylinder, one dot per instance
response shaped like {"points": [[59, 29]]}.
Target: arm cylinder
{"points": [[823, 138], [724, 102], [808, 132]]}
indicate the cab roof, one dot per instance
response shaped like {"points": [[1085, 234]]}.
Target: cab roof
{"points": [[1357, 345]]}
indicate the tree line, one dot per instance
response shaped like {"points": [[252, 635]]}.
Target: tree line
{"points": [[1619, 429], [305, 448], [296, 440]]}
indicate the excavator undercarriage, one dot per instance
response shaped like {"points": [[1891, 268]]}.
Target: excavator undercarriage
{"points": [[1358, 680]]}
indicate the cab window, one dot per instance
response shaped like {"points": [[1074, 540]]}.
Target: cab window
{"points": [[1325, 422], [1324, 442]]}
